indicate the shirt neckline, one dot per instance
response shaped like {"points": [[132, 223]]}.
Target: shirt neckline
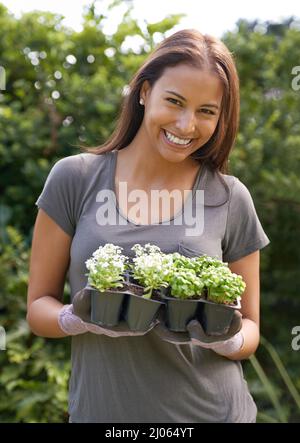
{"points": [[113, 163]]}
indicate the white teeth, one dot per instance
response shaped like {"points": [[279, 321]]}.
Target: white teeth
{"points": [[179, 141]]}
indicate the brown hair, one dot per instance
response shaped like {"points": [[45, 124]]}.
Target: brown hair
{"points": [[202, 51]]}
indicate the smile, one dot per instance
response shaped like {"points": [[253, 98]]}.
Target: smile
{"points": [[176, 140]]}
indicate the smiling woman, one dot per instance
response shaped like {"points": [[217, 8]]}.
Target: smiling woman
{"points": [[205, 81], [184, 125], [177, 126]]}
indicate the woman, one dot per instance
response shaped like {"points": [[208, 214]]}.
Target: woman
{"points": [[176, 129]]}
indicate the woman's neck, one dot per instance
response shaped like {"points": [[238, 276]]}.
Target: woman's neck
{"points": [[148, 167]]}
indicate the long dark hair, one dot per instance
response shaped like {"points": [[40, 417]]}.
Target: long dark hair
{"points": [[201, 51]]}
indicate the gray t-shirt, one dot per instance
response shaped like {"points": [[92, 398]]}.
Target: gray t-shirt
{"points": [[145, 379]]}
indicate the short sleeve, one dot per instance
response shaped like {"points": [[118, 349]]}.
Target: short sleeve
{"points": [[244, 233], [60, 197]]}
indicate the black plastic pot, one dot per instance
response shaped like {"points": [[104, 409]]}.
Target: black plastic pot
{"points": [[216, 318], [140, 312], [107, 307], [180, 312]]}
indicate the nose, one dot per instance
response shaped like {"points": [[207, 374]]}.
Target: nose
{"points": [[186, 123]]}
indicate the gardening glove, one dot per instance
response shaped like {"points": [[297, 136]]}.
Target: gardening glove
{"points": [[82, 310], [70, 323], [195, 335], [225, 344]]}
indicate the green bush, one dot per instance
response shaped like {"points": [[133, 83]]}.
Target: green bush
{"points": [[34, 371]]}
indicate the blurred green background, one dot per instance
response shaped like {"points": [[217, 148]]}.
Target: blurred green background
{"points": [[64, 89]]}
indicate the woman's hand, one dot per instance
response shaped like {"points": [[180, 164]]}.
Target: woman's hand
{"points": [[225, 344], [70, 323]]}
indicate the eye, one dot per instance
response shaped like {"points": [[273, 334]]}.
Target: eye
{"points": [[207, 111], [173, 100]]}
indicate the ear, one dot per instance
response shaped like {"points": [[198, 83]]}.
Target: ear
{"points": [[145, 90]]}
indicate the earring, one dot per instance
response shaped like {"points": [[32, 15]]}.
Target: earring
{"points": [[142, 102]]}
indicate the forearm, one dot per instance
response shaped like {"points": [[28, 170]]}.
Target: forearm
{"points": [[42, 317], [250, 333]]}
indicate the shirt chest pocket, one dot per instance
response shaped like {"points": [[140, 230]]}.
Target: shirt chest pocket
{"points": [[213, 249]]}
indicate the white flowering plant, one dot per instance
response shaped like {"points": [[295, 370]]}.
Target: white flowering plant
{"points": [[107, 267], [151, 268]]}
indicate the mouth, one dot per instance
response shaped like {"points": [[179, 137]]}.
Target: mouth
{"points": [[177, 142]]}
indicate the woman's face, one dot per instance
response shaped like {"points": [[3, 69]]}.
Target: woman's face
{"points": [[181, 111]]}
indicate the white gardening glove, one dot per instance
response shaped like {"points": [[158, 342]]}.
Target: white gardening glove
{"points": [[71, 324], [225, 344]]}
